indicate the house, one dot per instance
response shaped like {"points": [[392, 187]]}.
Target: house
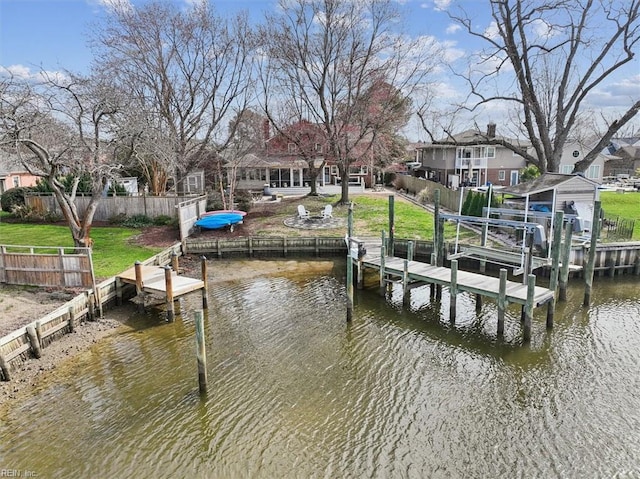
{"points": [[471, 158], [285, 161], [576, 150], [13, 174], [623, 158]]}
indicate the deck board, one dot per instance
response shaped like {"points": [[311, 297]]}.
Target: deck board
{"points": [[467, 281]]}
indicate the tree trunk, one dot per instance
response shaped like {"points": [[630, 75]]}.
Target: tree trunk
{"points": [[344, 180]]}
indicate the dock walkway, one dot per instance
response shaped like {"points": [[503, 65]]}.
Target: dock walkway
{"points": [[413, 274], [466, 281]]}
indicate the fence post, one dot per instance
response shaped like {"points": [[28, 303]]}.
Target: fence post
{"points": [[33, 340]]}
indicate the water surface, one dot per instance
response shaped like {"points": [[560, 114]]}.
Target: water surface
{"points": [[295, 391]]}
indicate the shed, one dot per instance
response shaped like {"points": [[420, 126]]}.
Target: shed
{"points": [[557, 192]]}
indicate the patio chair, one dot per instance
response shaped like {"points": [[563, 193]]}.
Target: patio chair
{"points": [[327, 212], [302, 212]]}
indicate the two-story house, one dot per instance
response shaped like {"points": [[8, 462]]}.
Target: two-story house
{"points": [[288, 158], [469, 159]]}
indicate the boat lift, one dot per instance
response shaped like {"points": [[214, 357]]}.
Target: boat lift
{"points": [[522, 261]]}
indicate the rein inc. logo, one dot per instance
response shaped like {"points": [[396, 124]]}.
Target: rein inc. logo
{"points": [[17, 473]]}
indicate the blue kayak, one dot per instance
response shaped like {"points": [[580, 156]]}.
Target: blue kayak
{"points": [[219, 220]]}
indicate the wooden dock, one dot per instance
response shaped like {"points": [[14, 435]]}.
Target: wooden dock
{"points": [[163, 281], [413, 274]]}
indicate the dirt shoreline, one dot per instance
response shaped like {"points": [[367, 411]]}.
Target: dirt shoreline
{"points": [[25, 305]]}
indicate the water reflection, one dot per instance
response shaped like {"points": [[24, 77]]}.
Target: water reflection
{"points": [[294, 391]]}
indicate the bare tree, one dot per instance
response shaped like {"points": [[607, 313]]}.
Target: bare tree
{"points": [[190, 71], [322, 59], [64, 125], [557, 53]]}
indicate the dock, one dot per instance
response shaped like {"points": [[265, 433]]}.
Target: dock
{"points": [[164, 281], [412, 274]]}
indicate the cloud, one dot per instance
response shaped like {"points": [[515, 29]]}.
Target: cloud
{"points": [[622, 94], [492, 31], [114, 5], [453, 28], [441, 5], [18, 71]]}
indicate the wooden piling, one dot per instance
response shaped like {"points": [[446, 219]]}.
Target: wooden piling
{"points": [[406, 298], [502, 300], [636, 265], [558, 221], [118, 291], [72, 319], [201, 352], [205, 287], [33, 341], [168, 280], [566, 254], [478, 303], [174, 262], [528, 307], [349, 264], [432, 286], [383, 252], [588, 271], [139, 292], [453, 290], [392, 225], [410, 248], [4, 367], [440, 254]]}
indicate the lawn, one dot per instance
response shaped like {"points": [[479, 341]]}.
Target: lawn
{"points": [[113, 249], [625, 206]]}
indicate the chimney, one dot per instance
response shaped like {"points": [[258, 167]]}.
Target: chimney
{"points": [[266, 133], [491, 130]]}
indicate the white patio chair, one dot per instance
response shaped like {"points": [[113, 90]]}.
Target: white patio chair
{"points": [[327, 212], [302, 212]]}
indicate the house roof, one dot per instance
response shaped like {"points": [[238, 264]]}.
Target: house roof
{"points": [[545, 182], [472, 137], [10, 164]]}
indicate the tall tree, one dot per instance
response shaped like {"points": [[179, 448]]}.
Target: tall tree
{"points": [[190, 69], [65, 126], [324, 57], [556, 52]]}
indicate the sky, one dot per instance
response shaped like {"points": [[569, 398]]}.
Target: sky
{"points": [[54, 34]]}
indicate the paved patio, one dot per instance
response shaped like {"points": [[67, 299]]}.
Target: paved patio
{"points": [[315, 223]]}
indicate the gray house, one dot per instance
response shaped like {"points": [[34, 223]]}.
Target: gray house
{"points": [[467, 159]]}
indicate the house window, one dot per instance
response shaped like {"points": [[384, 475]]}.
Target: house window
{"points": [[491, 151], [334, 170], [566, 169], [318, 148], [502, 175], [16, 181], [593, 172], [291, 147]]}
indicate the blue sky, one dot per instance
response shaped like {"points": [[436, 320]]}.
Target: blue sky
{"points": [[53, 34]]}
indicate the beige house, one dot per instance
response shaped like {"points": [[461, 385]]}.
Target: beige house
{"points": [[468, 159]]}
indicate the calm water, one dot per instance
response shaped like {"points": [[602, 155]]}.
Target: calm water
{"points": [[296, 392]]}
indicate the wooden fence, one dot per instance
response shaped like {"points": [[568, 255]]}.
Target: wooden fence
{"points": [[111, 207], [31, 339], [188, 213], [449, 199], [46, 266]]}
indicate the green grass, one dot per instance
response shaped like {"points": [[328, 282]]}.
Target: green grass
{"points": [[625, 206], [113, 250]]}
